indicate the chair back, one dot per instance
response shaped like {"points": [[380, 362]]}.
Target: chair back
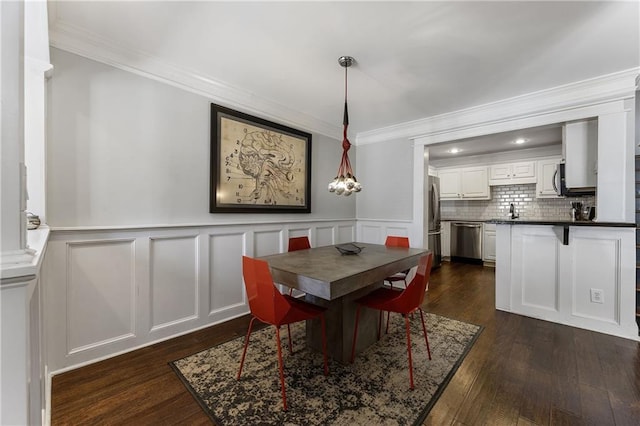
{"points": [[393, 241], [413, 296], [299, 243], [265, 301]]}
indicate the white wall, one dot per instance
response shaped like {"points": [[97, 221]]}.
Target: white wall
{"points": [[385, 170], [125, 150], [385, 205]]}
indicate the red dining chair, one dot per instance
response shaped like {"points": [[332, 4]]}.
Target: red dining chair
{"points": [[393, 241], [298, 243], [270, 306], [403, 302]]}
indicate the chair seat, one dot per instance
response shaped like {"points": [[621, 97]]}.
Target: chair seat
{"points": [[301, 310], [400, 276], [380, 298]]}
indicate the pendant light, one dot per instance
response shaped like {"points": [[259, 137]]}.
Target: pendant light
{"points": [[345, 182]]}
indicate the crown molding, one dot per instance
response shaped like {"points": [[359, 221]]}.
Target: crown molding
{"points": [[73, 39], [611, 87]]}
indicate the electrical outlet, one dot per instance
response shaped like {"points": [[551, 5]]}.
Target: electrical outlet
{"points": [[597, 295]]}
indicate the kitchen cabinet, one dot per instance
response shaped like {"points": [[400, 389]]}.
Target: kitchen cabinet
{"points": [[446, 239], [546, 175], [489, 242], [512, 173], [449, 183], [468, 183]]}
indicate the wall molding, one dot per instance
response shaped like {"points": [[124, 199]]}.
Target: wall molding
{"points": [[236, 222]]}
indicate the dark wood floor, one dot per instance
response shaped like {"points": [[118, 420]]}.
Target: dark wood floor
{"points": [[521, 371]]}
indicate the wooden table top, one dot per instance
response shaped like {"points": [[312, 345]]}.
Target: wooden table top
{"points": [[325, 273]]}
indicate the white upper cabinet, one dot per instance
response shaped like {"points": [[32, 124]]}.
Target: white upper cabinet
{"points": [[468, 183], [580, 153], [475, 183], [512, 173], [546, 175]]}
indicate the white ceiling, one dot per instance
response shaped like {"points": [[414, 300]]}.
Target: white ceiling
{"points": [[538, 137], [413, 59]]}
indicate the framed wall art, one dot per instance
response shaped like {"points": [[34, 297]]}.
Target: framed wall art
{"points": [[258, 166]]}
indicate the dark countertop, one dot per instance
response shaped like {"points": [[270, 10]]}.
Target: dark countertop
{"points": [[560, 223]]}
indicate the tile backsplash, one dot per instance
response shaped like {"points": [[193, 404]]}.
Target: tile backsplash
{"points": [[524, 199]]}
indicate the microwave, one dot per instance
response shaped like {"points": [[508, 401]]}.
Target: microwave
{"points": [[560, 184]]}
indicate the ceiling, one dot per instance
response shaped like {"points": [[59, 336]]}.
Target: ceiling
{"points": [[538, 137], [413, 59]]}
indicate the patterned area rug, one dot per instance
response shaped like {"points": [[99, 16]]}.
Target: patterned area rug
{"points": [[374, 390]]}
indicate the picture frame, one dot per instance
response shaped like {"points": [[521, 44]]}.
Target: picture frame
{"points": [[258, 166]]}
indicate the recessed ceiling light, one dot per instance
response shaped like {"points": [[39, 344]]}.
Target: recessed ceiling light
{"points": [[520, 141], [454, 150]]}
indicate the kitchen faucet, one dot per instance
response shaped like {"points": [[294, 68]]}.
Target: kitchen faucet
{"points": [[512, 211]]}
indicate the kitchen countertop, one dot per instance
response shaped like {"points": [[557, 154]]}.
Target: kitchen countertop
{"points": [[531, 221]]}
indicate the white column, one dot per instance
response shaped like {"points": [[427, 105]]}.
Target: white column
{"points": [[12, 172], [418, 237], [14, 354], [37, 66], [615, 197]]}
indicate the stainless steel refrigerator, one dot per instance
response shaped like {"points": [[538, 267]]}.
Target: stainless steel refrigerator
{"points": [[434, 231]]}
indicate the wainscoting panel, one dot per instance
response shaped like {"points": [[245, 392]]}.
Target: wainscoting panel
{"points": [[371, 234], [324, 236], [540, 284], [376, 231], [111, 291], [174, 280], [535, 283], [266, 242], [100, 293], [599, 261], [298, 232], [346, 234], [225, 260]]}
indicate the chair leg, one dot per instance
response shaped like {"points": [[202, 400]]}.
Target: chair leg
{"points": [[290, 344], [355, 335], [424, 329], [246, 344], [284, 395], [324, 345], [406, 321], [387, 329]]}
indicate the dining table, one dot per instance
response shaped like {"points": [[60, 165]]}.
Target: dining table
{"points": [[335, 280]]}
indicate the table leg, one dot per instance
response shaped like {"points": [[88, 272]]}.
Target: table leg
{"points": [[340, 320]]}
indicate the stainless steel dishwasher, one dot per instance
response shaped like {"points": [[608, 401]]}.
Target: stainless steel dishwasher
{"points": [[466, 241]]}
